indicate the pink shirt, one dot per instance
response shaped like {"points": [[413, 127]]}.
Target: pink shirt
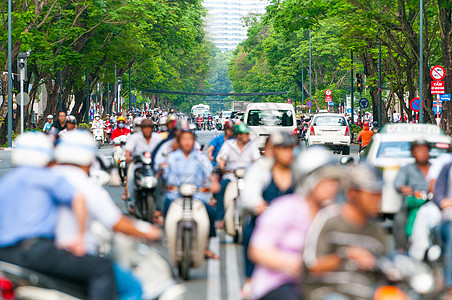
{"points": [[284, 225]]}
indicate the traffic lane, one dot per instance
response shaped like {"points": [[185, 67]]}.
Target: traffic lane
{"points": [[5, 162]]}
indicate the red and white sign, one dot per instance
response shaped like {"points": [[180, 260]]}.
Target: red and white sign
{"points": [[438, 87], [438, 73], [328, 98], [328, 92]]}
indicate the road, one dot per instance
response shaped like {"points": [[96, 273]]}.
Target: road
{"points": [[216, 279]]}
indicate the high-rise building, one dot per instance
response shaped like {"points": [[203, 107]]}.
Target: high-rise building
{"points": [[225, 24]]}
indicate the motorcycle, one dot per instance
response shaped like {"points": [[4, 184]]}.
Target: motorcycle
{"points": [[119, 156], [108, 130], [146, 263], [234, 217], [187, 229], [145, 184], [98, 134], [209, 125], [199, 125], [219, 126]]}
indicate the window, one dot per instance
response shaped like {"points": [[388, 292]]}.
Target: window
{"points": [[330, 121], [270, 118], [403, 149]]}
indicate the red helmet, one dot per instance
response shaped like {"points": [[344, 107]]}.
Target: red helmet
{"points": [[228, 124], [366, 123]]}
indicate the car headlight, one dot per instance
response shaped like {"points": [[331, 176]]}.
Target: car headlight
{"points": [[149, 182], [422, 283], [239, 173]]}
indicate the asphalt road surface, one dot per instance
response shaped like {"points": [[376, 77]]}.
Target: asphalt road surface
{"points": [[216, 279]]}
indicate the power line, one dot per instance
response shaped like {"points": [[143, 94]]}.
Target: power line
{"points": [[214, 94]]}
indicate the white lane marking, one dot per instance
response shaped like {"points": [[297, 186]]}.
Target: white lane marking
{"points": [[213, 272], [232, 272]]}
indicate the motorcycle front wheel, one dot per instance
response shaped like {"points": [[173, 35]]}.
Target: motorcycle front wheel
{"points": [[150, 208], [184, 266]]}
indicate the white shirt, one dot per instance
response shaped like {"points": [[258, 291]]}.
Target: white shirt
{"points": [[137, 144], [236, 158], [99, 205]]}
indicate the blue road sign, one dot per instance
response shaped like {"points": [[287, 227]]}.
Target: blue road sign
{"points": [[363, 103], [309, 103], [331, 103], [440, 110], [444, 97], [349, 110], [134, 99]]}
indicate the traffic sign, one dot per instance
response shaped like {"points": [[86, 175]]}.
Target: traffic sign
{"points": [[349, 110], [363, 103], [444, 97], [309, 103], [438, 73], [331, 103], [96, 98], [437, 107], [415, 104], [26, 98], [328, 92], [438, 87]]}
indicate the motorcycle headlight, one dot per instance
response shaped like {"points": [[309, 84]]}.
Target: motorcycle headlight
{"points": [[149, 182], [187, 189], [239, 173], [422, 283]]}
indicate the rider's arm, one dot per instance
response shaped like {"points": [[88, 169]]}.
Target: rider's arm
{"points": [[209, 152], [442, 188], [80, 213], [256, 178], [126, 226], [128, 156], [222, 157], [401, 181]]}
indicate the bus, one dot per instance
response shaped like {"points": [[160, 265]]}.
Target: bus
{"points": [[200, 109]]}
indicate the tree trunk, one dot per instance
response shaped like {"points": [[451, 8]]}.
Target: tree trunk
{"points": [[445, 24]]}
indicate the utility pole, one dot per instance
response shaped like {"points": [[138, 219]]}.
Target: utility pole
{"points": [[87, 97], [352, 91], [116, 90], [60, 104], [108, 98], [421, 61], [10, 81], [380, 102], [22, 67], [310, 70], [130, 89], [302, 85]]}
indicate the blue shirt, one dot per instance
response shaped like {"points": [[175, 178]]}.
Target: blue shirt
{"points": [[217, 143], [47, 126], [28, 204], [194, 169]]}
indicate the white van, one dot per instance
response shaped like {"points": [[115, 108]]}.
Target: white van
{"points": [[265, 118]]}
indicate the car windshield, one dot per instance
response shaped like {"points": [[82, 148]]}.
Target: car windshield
{"points": [[226, 114], [402, 149], [330, 121], [270, 118]]}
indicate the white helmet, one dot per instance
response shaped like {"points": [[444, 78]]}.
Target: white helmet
{"points": [[137, 124], [76, 147], [97, 116], [50, 117], [315, 164], [162, 121], [32, 149]]}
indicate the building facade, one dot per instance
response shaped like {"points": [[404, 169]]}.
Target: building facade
{"points": [[225, 24]]}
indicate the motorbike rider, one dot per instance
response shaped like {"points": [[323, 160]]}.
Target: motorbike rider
{"points": [[216, 144], [108, 127], [187, 165], [60, 124], [267, 179], [343, 244], [137, 144], [48, 125], [120, 129], [98, 123], [31, 196], [365, 135], [239, 152], [281, 229], [411, 182], [199, 122], [75, 154], [71, 124]]}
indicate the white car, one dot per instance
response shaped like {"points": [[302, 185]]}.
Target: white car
{"points": [[266, 118], [329, 130], [225, 115], [390, 149]]}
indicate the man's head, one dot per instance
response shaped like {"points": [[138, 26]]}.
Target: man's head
{"points": [[365, 189], [62, 116], [242, 133], [32, 149], [97, 117], [121, 122], [76, 148], [186, 141], [420, 150], [171, 122], [283, 144], [107, 117], [147, 126], [71, 123], [228, 129]]}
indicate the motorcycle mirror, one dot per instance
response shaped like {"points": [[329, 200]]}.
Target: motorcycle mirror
{"points": [[434, 253], [347, 160]]}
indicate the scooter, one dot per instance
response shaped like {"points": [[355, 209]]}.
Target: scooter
{"points": [[119, 156], [209, 125], [153, 271], [187, 229], [98, 134], [234, 217], [145, 184]]}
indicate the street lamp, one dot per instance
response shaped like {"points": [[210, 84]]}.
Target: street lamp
{"points": [[22, 67], [10, 81], [421, 61]]}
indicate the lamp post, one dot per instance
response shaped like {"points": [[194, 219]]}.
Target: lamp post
{"points": [[352, 91], [421, 61], [116, 90], [310, 71], [10, 81], [130, 89], [380, 102]]}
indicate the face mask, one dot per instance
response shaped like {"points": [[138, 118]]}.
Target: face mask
{"points": [[121, 125]]}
